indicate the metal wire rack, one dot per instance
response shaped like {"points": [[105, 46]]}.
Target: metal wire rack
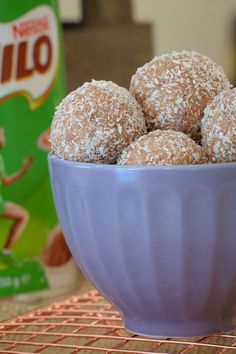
{"points": [[89, 324]]}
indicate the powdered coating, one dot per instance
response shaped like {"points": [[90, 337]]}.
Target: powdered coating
{"points": [[219, 127], [163, 147], [174, 89], [95, 122]]}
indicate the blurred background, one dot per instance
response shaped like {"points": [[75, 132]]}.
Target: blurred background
{"points": [[109, 39]]}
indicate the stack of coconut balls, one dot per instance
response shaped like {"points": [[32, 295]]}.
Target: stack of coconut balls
{"points": [[180, 110]]}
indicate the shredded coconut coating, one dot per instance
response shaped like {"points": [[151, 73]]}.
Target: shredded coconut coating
{"points": [[163, 147], [219, 127], [95, 123], [174, 89]]}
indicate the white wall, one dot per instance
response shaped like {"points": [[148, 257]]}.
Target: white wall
{"points": [[201, 25], [70, 10]]}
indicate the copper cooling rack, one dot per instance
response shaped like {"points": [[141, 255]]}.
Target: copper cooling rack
{"points": [[89, 324]]}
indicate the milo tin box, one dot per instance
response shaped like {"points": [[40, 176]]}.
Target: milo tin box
{"points": [[33, 255]]}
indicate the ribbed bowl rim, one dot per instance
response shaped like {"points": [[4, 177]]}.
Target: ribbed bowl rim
{"points": [[87, 165]]}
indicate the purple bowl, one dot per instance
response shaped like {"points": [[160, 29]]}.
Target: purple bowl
{"points": [[158, 242]]}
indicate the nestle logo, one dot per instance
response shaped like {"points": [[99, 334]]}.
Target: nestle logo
{"points": [[30, 27]]}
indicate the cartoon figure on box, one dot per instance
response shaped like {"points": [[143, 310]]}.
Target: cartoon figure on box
{"points": [[10, 210], [56, 252]]}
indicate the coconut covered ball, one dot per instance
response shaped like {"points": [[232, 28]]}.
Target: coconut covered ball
{"points": [[163, 147], [219, 128], [174, 89], [95, 123]]}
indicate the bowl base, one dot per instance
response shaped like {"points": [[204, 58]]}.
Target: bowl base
{"points": [[176, 329]]}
